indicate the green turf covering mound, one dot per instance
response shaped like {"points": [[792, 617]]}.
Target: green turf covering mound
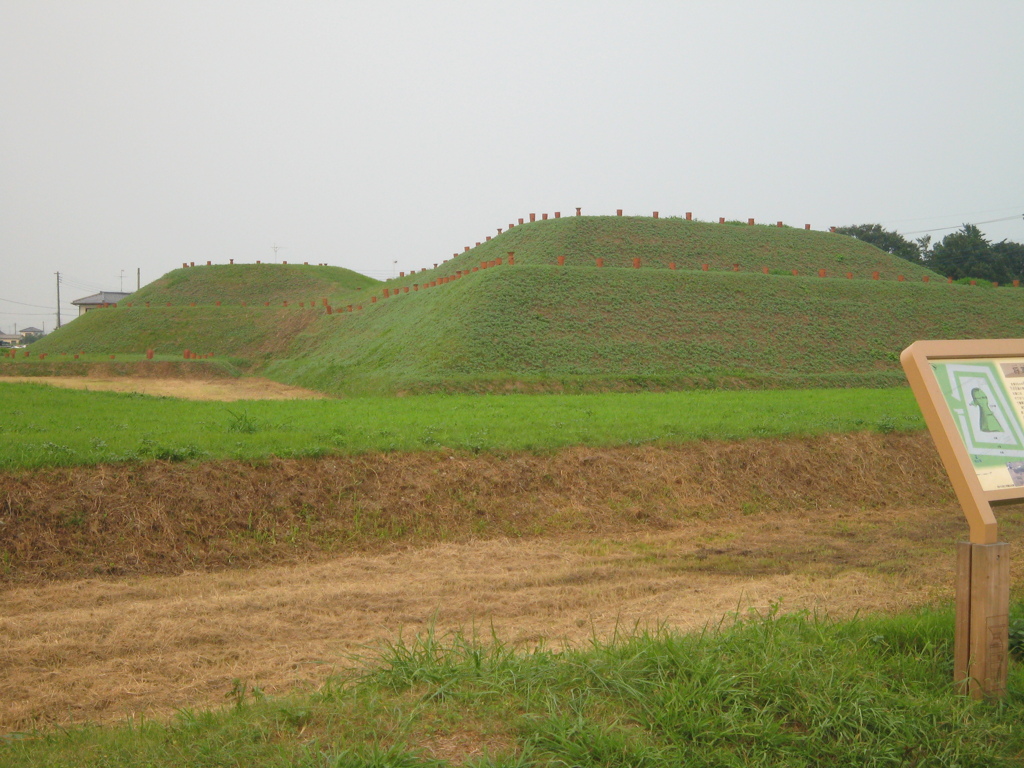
{"points": [[250, 312], [479, 323], [251, 283], [659, 242], [249, 334], [587, 328]]}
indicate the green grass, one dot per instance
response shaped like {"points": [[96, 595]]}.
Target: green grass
{"points": [[578, 328], [582, 329], [254, 284], [47, 426], [587, 328], [773, 690], [658, 242], [252, 333], [248, 334]]}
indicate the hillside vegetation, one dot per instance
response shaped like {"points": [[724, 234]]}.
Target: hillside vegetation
{"points": [[476, 323], [690, 244], [251, 283], [589, 328], [249, 334], [261, 309]]}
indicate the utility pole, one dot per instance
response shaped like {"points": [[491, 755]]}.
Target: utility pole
{"points": [[58, 299], [122, 281], [138, 278]]}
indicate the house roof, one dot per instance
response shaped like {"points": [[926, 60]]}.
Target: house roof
{"points": [[103, 297], [30, 329]]}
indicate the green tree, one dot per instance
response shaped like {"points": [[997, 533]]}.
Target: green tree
{"points": [[924, 247], [890, 242], [966, 253], [1011, 255]]}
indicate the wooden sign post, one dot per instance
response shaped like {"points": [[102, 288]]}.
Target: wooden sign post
{"points": [[972, 396]]}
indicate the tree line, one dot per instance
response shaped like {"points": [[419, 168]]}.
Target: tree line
{"points": [[963, 254]]}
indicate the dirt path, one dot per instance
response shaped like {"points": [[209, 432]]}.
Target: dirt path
{"points": [[96, 650], [228, 390]]}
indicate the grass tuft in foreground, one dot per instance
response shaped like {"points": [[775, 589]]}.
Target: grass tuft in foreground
{"points": [[772, 690]]}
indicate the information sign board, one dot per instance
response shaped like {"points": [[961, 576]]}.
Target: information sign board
{"points": [[971, 393]]}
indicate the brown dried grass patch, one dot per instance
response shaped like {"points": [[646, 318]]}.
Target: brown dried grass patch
{"points": [[101, 649], [171, 517], [125, 371], [602, 540], [213, 388]]}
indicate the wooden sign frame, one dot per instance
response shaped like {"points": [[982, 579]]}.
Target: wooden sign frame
{"points": [[980, 482]]}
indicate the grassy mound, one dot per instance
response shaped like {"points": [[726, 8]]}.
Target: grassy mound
{"points": [[252, 283], [690, 244], [247, 334], [536, 326], [247, 312], [586, 328]]}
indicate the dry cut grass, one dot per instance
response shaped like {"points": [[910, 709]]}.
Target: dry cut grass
{"points": [[105, 649], [168, 518], [556, 549], [221, 389]]}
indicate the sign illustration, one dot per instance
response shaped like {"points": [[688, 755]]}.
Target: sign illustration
{"points": [[986, 400]]}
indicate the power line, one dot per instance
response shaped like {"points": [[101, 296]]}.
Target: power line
{"points": [[23, 304], [82, 286], [950, 215], [976, 223], [80, 283]]}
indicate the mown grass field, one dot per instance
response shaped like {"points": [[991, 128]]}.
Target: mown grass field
{"points": [[46, 426], [769, 690]]}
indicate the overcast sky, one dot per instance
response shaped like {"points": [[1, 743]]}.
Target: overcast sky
{"points": [[139, 135]]}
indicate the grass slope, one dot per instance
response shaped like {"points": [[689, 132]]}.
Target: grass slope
{"points": [[586, 328], [658, 242], [248, 334], [253, 332], [536, 326], [251, 283]]}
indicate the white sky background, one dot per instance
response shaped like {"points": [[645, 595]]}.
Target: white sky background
{"points": [[145, 134]]}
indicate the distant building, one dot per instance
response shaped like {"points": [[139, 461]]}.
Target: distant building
{"points": [[9, 339], [31, 329], [98, 300]]}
